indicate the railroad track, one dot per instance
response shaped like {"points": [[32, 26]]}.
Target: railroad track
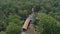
{"points": [[28, 27]]}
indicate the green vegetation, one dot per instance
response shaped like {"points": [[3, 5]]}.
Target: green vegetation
{"points": [[47, 25], [14, 12]]}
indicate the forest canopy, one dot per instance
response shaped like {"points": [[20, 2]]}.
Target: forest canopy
{"points": [[14, 12]]}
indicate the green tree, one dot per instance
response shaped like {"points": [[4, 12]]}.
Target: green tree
{"points": [[14, 25], [2, 32], [47, 25], [13, 28]]}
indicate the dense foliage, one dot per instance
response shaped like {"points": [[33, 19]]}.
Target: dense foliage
{"points": [[14, 12], [47, 25]]}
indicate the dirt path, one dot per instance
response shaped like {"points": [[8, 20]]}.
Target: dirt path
{"points": [[31, 29]]}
